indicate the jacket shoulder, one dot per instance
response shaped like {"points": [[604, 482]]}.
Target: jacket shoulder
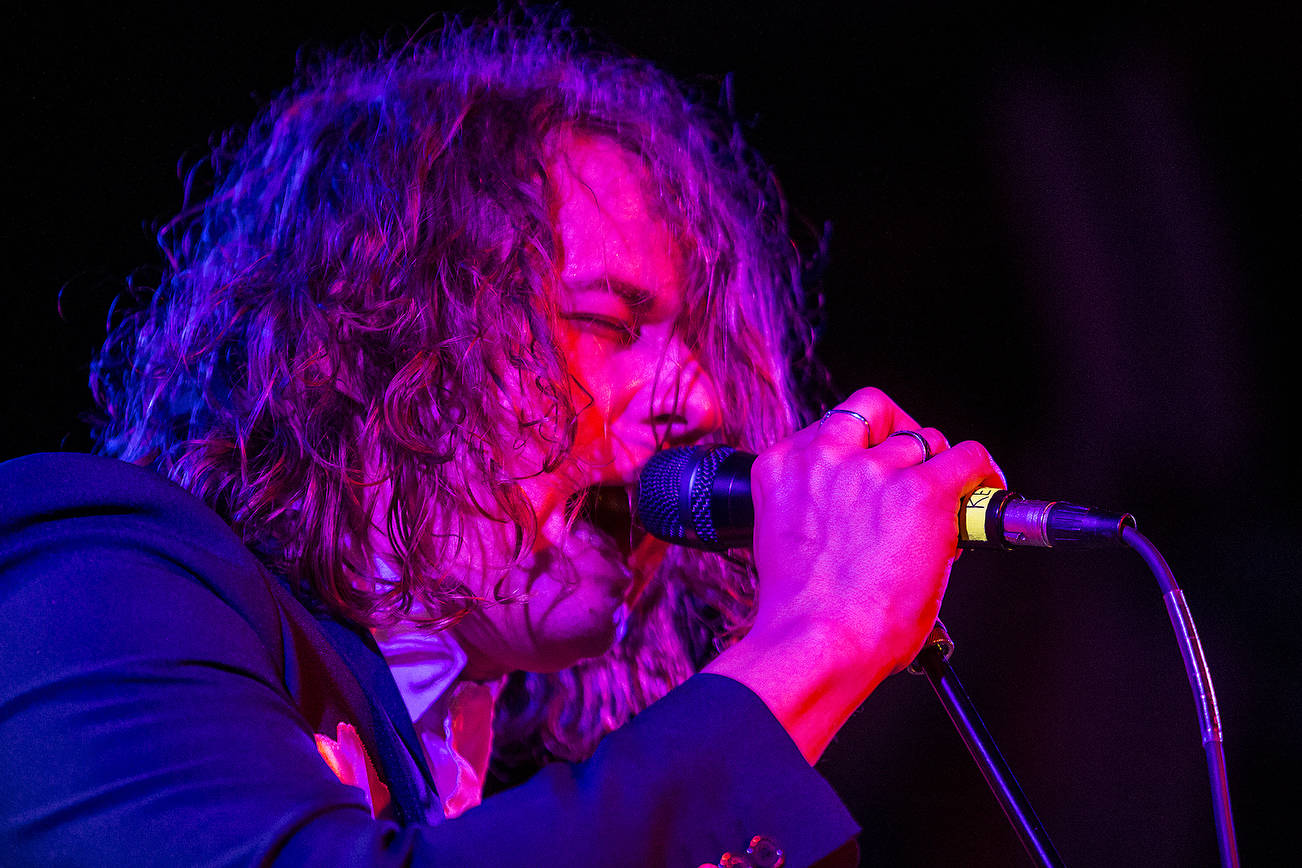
{"points": [[64, 516]]}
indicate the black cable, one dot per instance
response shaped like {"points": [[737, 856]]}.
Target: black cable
{"points": [[1200, 680]]}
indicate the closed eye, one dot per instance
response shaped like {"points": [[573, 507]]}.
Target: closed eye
{"points": [[603, 326]]}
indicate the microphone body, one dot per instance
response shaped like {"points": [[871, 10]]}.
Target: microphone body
{"points": [[699, 496]]}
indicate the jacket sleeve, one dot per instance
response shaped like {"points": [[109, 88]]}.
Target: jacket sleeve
{"points": [[144, 720], [699, 773]]}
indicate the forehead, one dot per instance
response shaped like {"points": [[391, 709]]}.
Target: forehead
{"points": [[607, 169], [610, 228]]}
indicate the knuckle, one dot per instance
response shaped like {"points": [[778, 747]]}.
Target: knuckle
{"points": [[872, 471], [920, 488], [935, 437], [978, 459], [767, 475], [824, 450], [868, 395], [906, 492], [973, 451], [768, 464]]}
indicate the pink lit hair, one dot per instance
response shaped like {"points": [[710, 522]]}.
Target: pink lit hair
{"points": [[373, 268]]}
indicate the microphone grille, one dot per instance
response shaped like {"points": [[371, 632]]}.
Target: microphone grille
{"points": [[657, 493], [702, 485], [663, 503]]}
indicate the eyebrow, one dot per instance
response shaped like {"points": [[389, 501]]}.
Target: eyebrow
{"points": [[636, 297]]}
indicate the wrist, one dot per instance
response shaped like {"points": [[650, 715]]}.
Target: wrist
{"points": [[811, 673]]}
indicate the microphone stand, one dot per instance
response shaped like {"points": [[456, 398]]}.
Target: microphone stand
{"points": [[933, 661]]}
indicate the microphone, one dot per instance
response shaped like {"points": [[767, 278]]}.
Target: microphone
{"points": [[699, 496]]}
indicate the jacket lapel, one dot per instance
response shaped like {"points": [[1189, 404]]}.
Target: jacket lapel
{"points": [[335, 673]]}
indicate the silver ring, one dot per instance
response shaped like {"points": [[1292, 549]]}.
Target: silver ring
{"points": [[922, 441], [868, 428]]}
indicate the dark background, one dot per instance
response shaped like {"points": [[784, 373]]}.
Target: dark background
{"points": [[1061, 233]]}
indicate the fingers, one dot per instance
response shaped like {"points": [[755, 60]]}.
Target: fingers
{"points": [[870, 423], [965, 467], [907, 447], [864, 419], [837, 413]]}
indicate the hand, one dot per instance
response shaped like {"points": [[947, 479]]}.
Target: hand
{"points": [[852, 527], [854, 539]]}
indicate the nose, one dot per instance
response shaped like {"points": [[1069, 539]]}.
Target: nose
{"points": [[680, 403]]}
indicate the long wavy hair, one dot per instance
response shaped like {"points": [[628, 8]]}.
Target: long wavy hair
{"points": [[372, 265]]}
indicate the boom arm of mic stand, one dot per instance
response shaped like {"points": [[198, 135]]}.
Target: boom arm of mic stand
{"points": [[933, 661]]}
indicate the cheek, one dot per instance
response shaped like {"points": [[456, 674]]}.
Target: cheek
{"points": [[595, 378]]}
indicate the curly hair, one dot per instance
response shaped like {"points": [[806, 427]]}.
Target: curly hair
{"points": [[375, 264]]}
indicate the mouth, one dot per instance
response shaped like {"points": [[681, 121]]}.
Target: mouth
{"points": [[608, 509]]}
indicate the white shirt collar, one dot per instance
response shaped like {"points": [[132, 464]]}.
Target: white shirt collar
{"points": [[453, 719], [424, 664]]}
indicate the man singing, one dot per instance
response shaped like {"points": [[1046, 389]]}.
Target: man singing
{"points": [[367, 454]]}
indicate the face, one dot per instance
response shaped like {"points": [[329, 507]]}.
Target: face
{"points": [[640, 388]]}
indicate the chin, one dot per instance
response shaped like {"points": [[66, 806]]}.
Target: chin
{"points": [[576, 590], [591, 635], [571, 656]]}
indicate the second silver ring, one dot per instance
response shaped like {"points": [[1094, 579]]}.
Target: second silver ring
{"points": [[922, 441]]}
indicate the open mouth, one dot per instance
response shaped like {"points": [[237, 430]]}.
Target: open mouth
{"points": [[608, 509]]}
